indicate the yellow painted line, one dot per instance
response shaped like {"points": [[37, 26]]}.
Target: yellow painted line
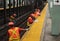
{"points": [[35, 31]]}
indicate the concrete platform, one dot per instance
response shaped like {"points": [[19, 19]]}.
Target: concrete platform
{"points": [[47, 30]]}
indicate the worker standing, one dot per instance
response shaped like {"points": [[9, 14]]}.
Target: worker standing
{"points": [[14, 32]]}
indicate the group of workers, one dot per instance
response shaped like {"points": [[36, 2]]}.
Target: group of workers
{"points": [[14, 32], [33, 16]]}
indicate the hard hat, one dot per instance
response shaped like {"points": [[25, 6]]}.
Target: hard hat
{"points": [[30, 18], [14, 14], [11, 23]]}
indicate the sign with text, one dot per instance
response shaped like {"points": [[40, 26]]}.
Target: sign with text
{"points": [[56, 2]]}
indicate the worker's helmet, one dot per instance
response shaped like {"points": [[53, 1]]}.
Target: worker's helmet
{"points": [[29, 18], [14, 14], [11, 23]]}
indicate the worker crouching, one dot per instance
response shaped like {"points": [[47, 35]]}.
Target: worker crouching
{"points": [[37, 12], [14, 32], [29, 21], [13, 17]]}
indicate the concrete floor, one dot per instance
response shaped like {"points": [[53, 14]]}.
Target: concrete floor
{"points": [[47, 30]]}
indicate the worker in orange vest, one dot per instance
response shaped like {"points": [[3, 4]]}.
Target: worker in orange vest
{"points": [[35, 14], [37, 11], [14, 32], [32, 16], [29, 21]]}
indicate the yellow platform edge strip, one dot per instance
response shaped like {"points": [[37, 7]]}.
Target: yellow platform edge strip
{"points": [[35, 31]]}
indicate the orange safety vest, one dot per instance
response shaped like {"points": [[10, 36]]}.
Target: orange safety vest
{"points": [[14, 34], [36, 15]]}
